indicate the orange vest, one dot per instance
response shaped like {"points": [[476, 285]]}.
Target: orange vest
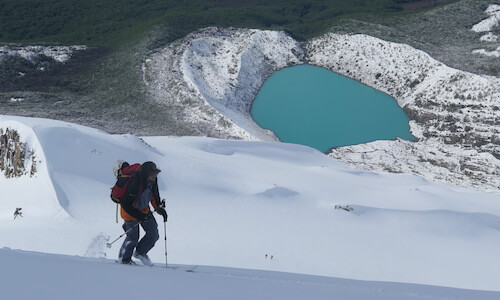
{"points": [[145, 211]]}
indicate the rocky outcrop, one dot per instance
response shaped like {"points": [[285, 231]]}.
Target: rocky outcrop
{"points": [[16, 158], [429, 159]]}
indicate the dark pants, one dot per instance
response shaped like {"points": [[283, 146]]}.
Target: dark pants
{"points": [[132, 242]]}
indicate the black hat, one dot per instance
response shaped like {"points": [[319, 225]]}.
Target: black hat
{"points": [[150, 168]]}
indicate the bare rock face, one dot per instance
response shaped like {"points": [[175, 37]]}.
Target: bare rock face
{"points": [[16, 158], [455, 115]]}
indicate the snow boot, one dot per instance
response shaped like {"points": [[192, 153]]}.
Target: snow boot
{"points": [[127, 262], [144, 258]]}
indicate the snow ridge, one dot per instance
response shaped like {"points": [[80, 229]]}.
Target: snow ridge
{"points": [[33, 188]]}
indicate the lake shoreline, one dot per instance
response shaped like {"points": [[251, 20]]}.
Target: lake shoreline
{"points": [[313, 106]]}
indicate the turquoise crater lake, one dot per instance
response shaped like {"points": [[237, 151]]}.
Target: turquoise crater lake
{"points": [[313, 106]]}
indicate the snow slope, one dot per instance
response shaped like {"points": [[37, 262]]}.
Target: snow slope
{"points": [[84, 278], [237, 203]]}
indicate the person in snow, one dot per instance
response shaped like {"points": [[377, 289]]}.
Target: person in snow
{"points": [[135, 209]]}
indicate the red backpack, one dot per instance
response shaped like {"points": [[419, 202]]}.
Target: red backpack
{"points": [[125, 175]]}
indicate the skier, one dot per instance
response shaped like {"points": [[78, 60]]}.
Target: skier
{"points": [[135, 210]]}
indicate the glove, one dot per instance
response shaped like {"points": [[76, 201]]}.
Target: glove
{"points": [[161, 211]]}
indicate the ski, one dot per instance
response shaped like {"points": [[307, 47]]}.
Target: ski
{"points": [[189, 269]]}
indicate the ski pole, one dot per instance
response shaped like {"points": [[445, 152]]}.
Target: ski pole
{"points": [[109, 244], [163, 205], [165, 230]]}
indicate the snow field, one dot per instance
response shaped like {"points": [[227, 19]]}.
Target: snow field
{"points": [[84, 278], [231, 203]]}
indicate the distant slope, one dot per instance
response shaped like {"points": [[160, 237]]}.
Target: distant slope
{"points": [[236, 204], [99, 86]]}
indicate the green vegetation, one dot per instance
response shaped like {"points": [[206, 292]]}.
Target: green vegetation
{"points": [[113, 22]]}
